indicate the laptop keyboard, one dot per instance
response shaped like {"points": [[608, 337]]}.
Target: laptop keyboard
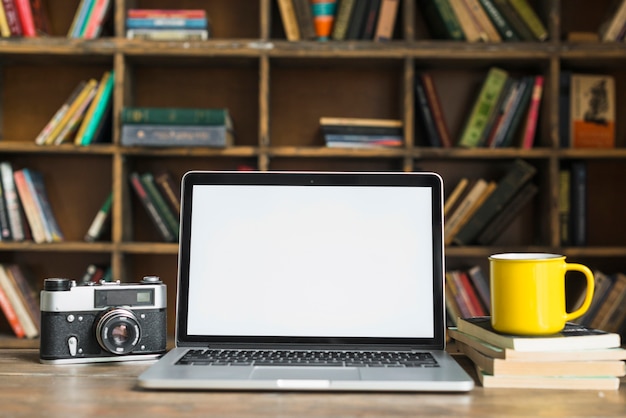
{"points": [[216, 357]]}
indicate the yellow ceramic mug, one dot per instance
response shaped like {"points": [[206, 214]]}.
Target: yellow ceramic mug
{"points": [[528, 293]]}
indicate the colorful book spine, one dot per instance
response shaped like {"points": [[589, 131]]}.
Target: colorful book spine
{"points": [[323, 17], [99, 221], [166, 13], [483, 107], [5, 31], [530, 127], [36, 183], [10, 315], [166, 23], [30, 209], [153, 213], [80, 17], [530, 18], [25, 14], [13, 19], [93, 26], [99, 106]]}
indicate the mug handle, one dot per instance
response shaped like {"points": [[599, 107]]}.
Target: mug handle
{"points": [[590, 289]]}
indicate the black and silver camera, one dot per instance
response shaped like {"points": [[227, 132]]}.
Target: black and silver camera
{"points": [[102, 322]]}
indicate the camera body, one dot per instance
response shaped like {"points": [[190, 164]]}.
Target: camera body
{"points": [[102, 322]]}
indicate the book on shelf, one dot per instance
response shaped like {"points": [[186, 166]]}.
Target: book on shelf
{"points": [[371, 17], [323, 12], [514, 20], [612, 26], [168, 34], [556, 368], [503, 218], [470, 27], [176, 116], [75, 117], [483, 107], [530, 18], [342, 19], [25, 15], [13, 19], [516, 176], [5, 224], [11, 292], [149, 135], [464, 295], [480, 191], [288, 17], [592, 111], [357, 20], [171, 220], [578, 203], [304, 19], [168, 24], [96, 273], [150, 207], [455, 195], [95, 114], [169, 189], [572, 336], [21, 278], [100, 221], [503, 27], [481, 283], [532, 115], [436, 108], [602, 286], [386, 19], [455, 300], [89, 18], [564, 206], [486, 27], [5, 30], [361, 132], [609, 315], [12, 202], [363, 140], [441, 20], [59, 115], [425, 115]]}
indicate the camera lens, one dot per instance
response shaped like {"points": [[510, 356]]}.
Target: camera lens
{"points": [[118, 331]]}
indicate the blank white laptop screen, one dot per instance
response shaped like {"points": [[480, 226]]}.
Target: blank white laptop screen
{"points": [[308, 261]]}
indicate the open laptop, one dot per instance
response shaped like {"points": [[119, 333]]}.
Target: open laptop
{"points": [[310, 281]]}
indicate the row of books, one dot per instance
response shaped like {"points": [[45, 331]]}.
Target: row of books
{"points": [[159, 194], [504, 113], [25, 210], [89, 19], [483, 20], [608, 306], [467, 294], [167, 24], [477, 210], [573, 203], [176, 127], [613, 26], [26, 18], [19, 302], [85, 116], [361, 132], [338, 19], [578, 357]]}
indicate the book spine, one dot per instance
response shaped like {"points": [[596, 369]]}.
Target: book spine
{"points": [[166, 23], [168, 34], [21, 312], [304, 17], [72, 109], [370, 20], [13, 19], [35, 180], [79, 18], [5, 224], [578, 205], [361, 130], [147, 179], [28, 203], [465, 207], [323, 12], [443, 21], [175, 116], [564, 206], [425, 114], [10, 315], [26, 293], [169, 190], [342, 19], [471, 31], [58, 115], [90, 110], [454, 293], [530, 18], [483, 107], [514, 20], [609, 30], [564, 108], [100, 107], [386, 20], [435, 105], [502, 26], [357, 20], [530, 128], [176, 136], [96, 19], [99, 221], [150, 208], [518, 111], [611, 303], [507, 187], [481, 284], [12, 201], [25, 14], [5, 30], [483, 20], [475, 304], [73, 123], [592, 111], [288, 16], [162, 13]]}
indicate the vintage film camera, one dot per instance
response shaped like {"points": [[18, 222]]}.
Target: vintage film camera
{"points": [[102, 322]]}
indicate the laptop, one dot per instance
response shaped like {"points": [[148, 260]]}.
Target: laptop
{"points": [[310, 281]]}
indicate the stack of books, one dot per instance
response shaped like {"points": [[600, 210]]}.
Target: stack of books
{"points": [[160, 196], [89, 19], [504, 113], [483, 20], [19, 302], [325, 20], [85, 116], [167, 24], [576, 358], [361, 132], [25, 210], [176, 127]]}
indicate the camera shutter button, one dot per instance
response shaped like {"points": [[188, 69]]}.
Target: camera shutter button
{"points": [[72, 344]]}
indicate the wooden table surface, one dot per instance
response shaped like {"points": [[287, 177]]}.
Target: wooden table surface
{"points": [[31, 389]]}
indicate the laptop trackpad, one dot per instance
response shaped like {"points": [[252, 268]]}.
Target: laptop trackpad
{"points": [[305, 373]]}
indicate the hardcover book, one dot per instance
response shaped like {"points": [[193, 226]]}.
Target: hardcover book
{"points": [[592, 111], [149, 135]]}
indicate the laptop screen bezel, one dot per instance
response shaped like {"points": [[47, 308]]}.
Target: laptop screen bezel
{"points": [[415, 179]]}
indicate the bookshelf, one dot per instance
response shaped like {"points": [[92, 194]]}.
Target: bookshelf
{"points": [[276, 91]]}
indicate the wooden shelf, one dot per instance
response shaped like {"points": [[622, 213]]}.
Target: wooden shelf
{"points": [[276, 91]]}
